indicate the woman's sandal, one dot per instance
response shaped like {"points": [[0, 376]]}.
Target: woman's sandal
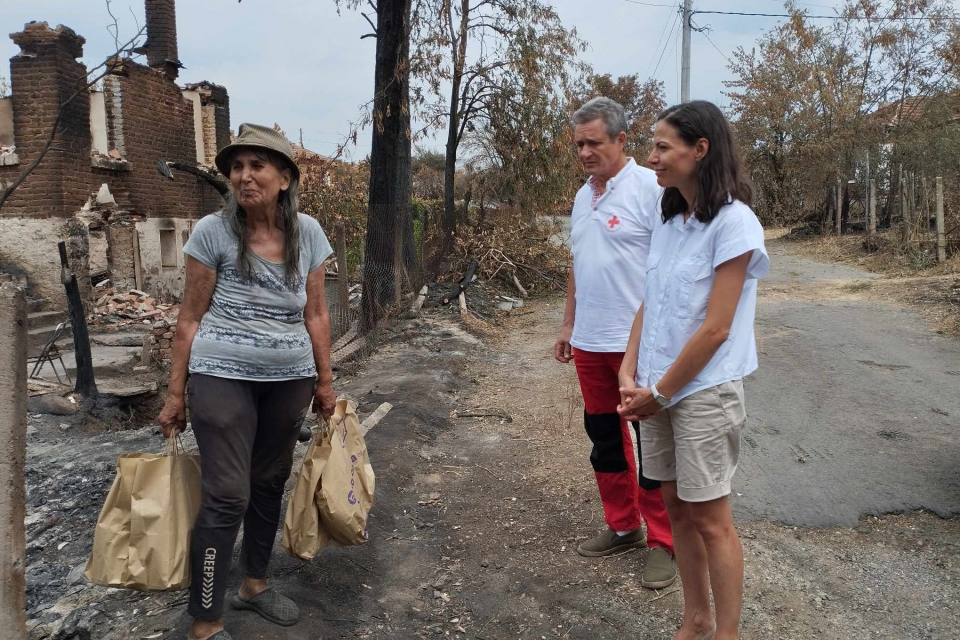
{"points": [[272, 606]]}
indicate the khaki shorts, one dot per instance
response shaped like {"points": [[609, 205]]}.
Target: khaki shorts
{"points": [[696, 442]]}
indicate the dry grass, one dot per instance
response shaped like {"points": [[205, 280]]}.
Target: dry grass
{"points": [[891, 260], [911, 276]]}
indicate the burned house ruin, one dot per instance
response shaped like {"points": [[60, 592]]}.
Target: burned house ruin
{"points": [[99, 188]]}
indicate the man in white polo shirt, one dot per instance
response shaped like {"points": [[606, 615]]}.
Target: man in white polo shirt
{"points": [[613, 217]]}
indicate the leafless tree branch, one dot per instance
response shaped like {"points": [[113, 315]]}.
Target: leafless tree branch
{"points": [[372, 26]]}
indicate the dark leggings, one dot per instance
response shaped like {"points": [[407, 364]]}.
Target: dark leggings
{"points": [[246, 432]]}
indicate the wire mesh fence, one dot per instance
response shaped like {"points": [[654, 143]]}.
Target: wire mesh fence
{"points": [[378, 268]]}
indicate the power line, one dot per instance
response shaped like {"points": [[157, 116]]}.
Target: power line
{"points": [[717, 48], [651, 4], [666, 22], [807, 15], [666, 45], [677, 67]]}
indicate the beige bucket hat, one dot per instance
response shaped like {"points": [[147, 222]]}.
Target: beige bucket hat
{"points": [[261, 137]]}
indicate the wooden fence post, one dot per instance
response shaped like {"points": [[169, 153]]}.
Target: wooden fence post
{"points": [[13, 455], [828, 227], [839, 219], [872, 214], [904, 212], [343, 281], [914, 232], [923, 215], [941, 227]]}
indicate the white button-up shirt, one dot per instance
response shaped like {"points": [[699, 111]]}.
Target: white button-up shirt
{"points": [[680, 271], [610, 237]]}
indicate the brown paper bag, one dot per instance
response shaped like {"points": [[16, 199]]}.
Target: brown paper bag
{"points": [[347, 483], [302, 535], [142, 537]]}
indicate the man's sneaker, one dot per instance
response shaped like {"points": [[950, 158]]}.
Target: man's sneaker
{"points": [[609, 542], [660, 570]]}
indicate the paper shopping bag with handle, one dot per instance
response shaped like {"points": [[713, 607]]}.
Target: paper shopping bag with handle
{"points": [[142, 538], [345, 494], [302, 535]]}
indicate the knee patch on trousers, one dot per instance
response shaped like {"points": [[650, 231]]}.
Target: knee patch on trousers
{"points": [[604, 431]]}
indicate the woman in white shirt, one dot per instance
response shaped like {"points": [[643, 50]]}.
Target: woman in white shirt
{"points": [[691, 345]]}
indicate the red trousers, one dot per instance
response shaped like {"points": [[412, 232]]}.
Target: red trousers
{"points": [[626, 503]]}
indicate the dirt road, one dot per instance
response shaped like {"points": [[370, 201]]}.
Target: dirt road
{"points": [[856, 407], [477, 518]]}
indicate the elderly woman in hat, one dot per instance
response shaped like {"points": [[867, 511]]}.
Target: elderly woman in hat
{"points": [[254, 335]]}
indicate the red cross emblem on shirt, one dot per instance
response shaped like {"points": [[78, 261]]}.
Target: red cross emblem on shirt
{"points": [[613, 223]]}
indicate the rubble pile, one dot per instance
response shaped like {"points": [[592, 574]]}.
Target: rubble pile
{"points": [[133, 306]]}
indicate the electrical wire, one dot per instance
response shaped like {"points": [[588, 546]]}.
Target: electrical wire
{"points": [[646, 74], [651, 4], [806, 15], [676, 66], [666, 46], [716, 47]]}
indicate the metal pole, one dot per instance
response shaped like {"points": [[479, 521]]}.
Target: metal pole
{"points": [[685, 60], [872, 222]]}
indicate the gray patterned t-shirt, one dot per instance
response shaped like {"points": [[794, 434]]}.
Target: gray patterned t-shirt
{"points": [[254, 327]]}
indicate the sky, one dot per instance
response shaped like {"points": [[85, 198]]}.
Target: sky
{"points": [[300, 64]]}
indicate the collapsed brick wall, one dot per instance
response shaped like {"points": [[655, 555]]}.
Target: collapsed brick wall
{"points": [[150, 119], [216, 118], [45, 72]]}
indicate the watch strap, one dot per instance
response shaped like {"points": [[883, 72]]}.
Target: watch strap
{"points": [[661, 399]]}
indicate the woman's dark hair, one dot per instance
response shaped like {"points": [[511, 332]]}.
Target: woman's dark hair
{"points": [[719, 178], [288, 221]]}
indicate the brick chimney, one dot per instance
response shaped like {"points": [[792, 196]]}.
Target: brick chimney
{"points": [[162, 37], [45, 72]]}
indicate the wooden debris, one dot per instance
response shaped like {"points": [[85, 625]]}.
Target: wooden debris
{"points": [[347, 351], [463, 303], [374, 418], [485, 413], [421, 298], [460, 286], [516, 283], [344, 340]]}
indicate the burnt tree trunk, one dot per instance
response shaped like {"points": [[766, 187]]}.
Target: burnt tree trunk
{"points": [[453, 125], [450, 164], [389, 160], [86, 384]]}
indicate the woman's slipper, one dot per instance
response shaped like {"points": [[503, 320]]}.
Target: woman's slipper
{"points": [[273, 606]]}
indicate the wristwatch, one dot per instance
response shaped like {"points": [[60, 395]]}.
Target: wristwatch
{"points": [[661, 399]]}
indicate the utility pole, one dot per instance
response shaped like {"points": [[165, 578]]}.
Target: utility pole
{"points": [[685, 60]]}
